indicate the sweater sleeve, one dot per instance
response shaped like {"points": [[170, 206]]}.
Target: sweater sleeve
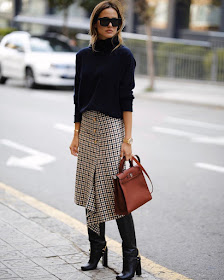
{"points": [[77, 114], [127, 83]]}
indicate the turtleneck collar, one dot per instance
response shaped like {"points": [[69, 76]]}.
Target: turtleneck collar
{"points": [[107, 45]]}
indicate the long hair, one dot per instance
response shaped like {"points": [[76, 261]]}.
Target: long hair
{"points": [[94, 16]]}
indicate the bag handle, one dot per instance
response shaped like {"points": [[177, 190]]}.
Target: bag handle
{"points": [[131, 164], [143, 169], [122, 164]]}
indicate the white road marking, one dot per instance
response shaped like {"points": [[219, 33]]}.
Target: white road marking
{"points": [[34, 161], [210, 167], [176, 132], [47, 95], [194, 137], [194, 123], [64, 127], [210, 140]]}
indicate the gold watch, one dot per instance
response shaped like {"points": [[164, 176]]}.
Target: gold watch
{"points": [[128, 141]]}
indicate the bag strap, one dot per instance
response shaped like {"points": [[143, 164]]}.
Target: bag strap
{"points": [[143, 169], [138, 163]]}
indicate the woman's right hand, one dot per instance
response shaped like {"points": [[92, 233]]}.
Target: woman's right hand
{"points": [[74, 145]]}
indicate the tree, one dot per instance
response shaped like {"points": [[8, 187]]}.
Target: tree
{"points": [[89, 5], [146, 13], [62, 5]]}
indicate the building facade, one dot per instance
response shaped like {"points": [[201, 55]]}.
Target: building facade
{"points": [[201, 20]]}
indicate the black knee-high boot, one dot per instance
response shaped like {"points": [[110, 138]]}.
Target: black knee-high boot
{"points": [[131, 258], [98, 248]]}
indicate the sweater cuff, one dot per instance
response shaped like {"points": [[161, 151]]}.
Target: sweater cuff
{"points": [[77, 118], [77, 115], [126, 104]]}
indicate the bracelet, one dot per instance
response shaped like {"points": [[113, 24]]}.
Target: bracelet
{"points": [[76, 130]]}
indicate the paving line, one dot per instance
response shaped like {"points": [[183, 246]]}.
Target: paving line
{"points": [[158, 271], [194, 123], [64, 127], [177, 132], [211, 167]]}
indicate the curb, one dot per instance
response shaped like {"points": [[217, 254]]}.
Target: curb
{"points": [[179, 101]]}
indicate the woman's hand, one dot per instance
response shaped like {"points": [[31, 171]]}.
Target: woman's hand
{"points": [[126, 150], [74, 145]]}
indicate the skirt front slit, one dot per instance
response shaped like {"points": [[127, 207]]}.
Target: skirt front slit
{"points": [[100, 141]]}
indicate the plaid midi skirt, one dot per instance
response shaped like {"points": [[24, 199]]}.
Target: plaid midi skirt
{"points": [[100, 140]]}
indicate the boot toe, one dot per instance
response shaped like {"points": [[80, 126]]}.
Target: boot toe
{"points": [[88, 266], [124, 276]]}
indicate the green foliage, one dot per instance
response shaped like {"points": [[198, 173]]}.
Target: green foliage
{"points": [[146, 10], [216, 3], [60, 4], [217, 57], [89, 5], [178, 60], [208, 63], [5, 31]]}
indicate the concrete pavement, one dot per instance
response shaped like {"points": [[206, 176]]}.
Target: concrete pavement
{"points": [[40, 242], [36, 245], [199, 93]]}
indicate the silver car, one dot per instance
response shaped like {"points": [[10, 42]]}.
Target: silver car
{"points": [[45, 60]]}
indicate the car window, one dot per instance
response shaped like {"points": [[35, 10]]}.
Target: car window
{"points": [[14, 43], [19, 44], [48, 45], [9, 44]]}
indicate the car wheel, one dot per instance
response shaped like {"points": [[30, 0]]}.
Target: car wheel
{"points": [[2, 78], [29, 79]]}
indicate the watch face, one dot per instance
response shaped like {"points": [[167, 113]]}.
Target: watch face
{"points": [[130, 141]]}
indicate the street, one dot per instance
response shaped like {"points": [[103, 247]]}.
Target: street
{"points": [[180, 146]]}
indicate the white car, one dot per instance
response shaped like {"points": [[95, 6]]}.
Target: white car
{"points": [[45, 60]]}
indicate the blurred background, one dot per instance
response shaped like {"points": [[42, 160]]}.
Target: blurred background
{"points": [[188, 36], [178, 119]]}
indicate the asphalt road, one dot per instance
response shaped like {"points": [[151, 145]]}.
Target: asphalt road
{"points": [[181, 147]]}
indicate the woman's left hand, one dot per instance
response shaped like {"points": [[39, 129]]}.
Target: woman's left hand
{"points": [[126, 150]]}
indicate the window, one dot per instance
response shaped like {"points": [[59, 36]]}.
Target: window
{"points": [[39, 44], [15, 43], [205, 15]]}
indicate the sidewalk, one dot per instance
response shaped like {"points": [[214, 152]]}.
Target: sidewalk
{"points": [[200, 93], [35, 245]]}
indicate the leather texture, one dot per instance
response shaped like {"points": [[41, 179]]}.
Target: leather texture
{"points": [[131, 190]]}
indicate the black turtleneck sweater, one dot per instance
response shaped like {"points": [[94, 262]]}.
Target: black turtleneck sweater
{"points": [[104, 80]]}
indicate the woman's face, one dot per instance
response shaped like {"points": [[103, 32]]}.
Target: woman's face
{"points": [[105, 32]]}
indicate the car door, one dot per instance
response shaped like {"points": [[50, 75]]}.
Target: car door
{"points": [[6, 61], [17, 58]]}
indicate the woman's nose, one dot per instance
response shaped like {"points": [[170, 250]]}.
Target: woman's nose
{"points": [[110, 24]]}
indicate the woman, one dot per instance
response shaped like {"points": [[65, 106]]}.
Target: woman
{"points": [[103, 125]]}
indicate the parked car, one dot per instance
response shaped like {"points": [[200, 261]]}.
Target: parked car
{"points": [[45, 60]]}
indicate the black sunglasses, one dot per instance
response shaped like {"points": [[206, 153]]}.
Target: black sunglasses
{"points": [[105, 21]]}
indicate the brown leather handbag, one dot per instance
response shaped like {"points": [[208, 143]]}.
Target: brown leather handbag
{"points": [[131, 190]]}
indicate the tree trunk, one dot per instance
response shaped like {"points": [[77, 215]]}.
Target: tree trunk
{"points": [[149, 52], [65, 20]]}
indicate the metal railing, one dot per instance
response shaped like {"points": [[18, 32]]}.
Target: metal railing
{"points": [[174, 58]]}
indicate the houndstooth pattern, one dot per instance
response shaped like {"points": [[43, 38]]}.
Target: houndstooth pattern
{"points": [[100, 141]]}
